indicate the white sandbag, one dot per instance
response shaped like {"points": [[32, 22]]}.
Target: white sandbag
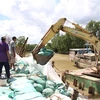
{"points": [[28, 96], [39, 98], [82, 97], [31, 63], [18, 58], [47, 92], [22, 85], [58, 96], [40, 67], [51, 74], [70, 91], [20, 80], [4, 90], [38, 87], [4, 97]]}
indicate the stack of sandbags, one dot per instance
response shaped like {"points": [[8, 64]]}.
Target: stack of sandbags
{"points": [[23, 89]]}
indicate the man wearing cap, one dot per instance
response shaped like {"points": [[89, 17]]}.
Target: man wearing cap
{"points": [[4, 57], [13, 52]]}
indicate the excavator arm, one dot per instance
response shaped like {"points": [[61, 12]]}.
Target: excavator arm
{"points": [[59, 26], [49, 35]]}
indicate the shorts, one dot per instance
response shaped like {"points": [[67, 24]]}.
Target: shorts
{"points": [[12, 59]]}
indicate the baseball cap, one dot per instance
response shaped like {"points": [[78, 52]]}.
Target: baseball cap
{"points": [[3, 38]]}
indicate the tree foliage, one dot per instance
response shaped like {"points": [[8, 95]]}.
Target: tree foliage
{"points": [[30, 47], [94, 27], [20, 41]]}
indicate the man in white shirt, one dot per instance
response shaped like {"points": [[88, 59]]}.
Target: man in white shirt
{"points": [[13, 52]]}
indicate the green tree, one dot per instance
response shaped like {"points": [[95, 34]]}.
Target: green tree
{"points": [[21, 41], [30, 47], [94, 27]]}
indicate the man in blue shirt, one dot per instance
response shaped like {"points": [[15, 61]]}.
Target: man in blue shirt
{"points": [[4, 57]]}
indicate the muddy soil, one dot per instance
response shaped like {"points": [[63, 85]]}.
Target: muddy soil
{"points": [[62, 62]]}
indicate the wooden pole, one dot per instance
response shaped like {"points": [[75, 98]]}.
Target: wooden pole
{"points": [[23, 48]]}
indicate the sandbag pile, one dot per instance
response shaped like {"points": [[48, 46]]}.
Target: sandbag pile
{"points": [[29, 83], [22, 89]]}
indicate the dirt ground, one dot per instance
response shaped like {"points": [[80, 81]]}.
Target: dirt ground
{"points": [[62, 62]]}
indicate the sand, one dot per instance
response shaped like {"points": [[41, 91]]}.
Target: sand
{"points": [[62, 62]]}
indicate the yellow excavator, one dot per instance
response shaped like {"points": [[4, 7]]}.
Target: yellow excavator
{"points": [[59, 26]]}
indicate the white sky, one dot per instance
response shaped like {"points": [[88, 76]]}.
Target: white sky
{"points": [[33, 18]]}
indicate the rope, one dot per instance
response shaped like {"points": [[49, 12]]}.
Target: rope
{"points": [[58, 69]]}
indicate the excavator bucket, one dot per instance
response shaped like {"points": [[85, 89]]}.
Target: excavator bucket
{"points": [[42, 59]]}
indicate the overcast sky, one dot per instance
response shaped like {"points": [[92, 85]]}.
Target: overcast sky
{"points": [[33, 18]]}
